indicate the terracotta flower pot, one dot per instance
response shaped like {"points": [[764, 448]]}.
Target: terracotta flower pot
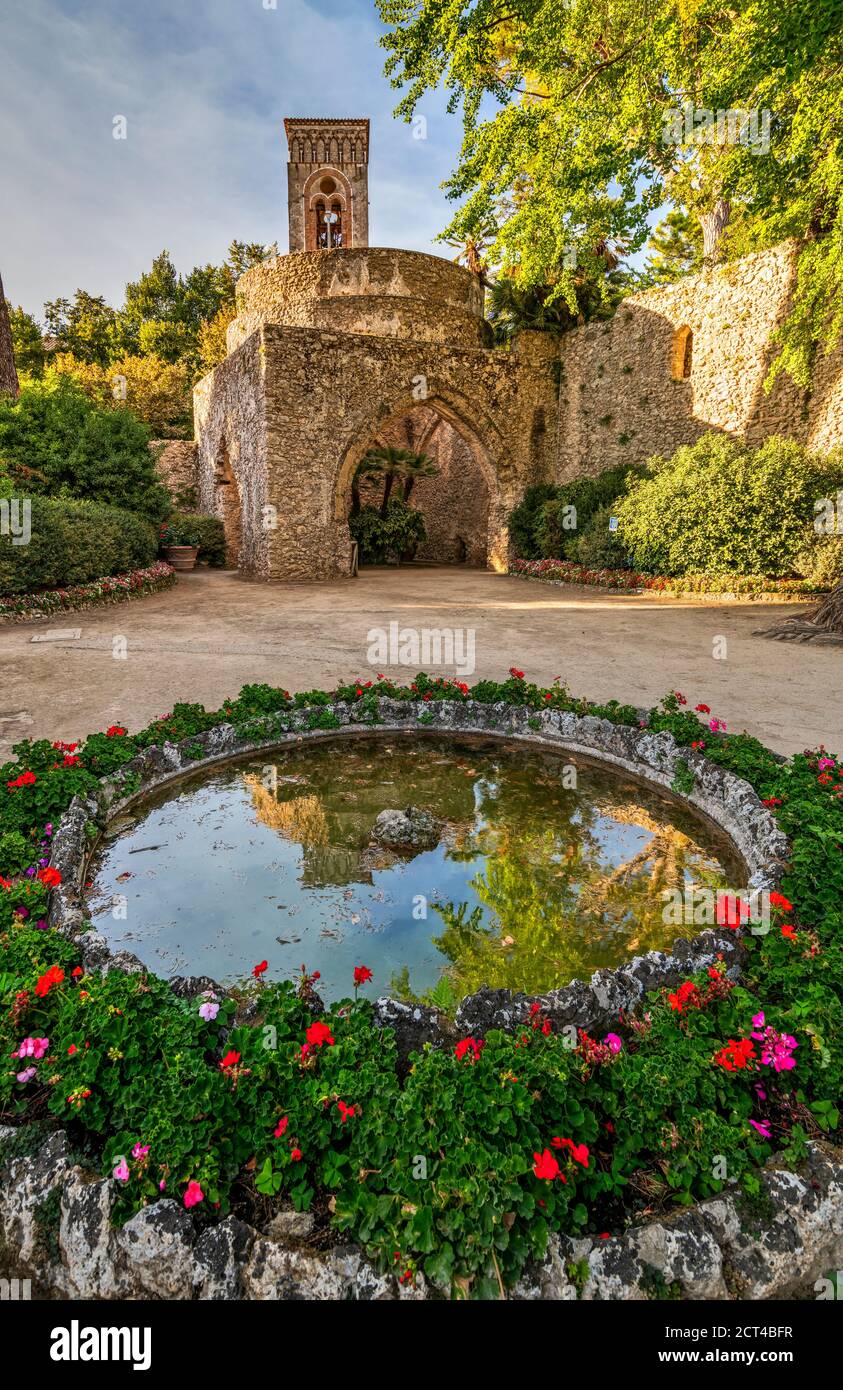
{"points": [[181, 557]]}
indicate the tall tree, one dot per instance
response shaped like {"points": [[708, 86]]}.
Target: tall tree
{"points": [[676, 246], [27, 342], [9, 385], [581, 118]]}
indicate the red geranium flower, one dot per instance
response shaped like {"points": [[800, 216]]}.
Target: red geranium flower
{"points": [[51, 878], [295, 1155], [546, 1167], [260, 968], [362, 973], [469, 1047], [281, 1126], [702, 709], [26, 779], [779, 900], [789, 931], [230, 1059], [53, 976], [735, 1056], [114, 731], [347, 1111], [687, 996], [731, 911], [579, 1152], [319, 1033], [518, 675]]}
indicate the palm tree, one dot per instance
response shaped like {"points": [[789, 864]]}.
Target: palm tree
{"points": [[471, 253], [417, 466], [368, 467], [390, 463]]}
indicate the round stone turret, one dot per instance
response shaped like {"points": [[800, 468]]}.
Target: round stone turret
{"points": [[367, 289]]}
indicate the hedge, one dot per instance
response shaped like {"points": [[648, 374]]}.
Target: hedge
{"points": [[719, 507], [72, 542]]}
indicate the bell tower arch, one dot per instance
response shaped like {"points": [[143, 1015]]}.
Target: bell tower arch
{"points": [[327, 183]]}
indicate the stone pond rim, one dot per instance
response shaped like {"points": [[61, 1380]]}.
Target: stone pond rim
{"points": [[706, 1251], [726, 800]]}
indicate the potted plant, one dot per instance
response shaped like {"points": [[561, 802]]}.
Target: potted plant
{"points": [[180, 543]]}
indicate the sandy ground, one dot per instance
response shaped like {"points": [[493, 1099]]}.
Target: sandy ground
{"points": [[215, 631]]}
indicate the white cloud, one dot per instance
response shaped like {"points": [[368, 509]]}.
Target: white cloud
{"points": [[204, 86]]}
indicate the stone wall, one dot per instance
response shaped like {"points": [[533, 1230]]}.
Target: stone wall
{"points": [[620, 401], [332, 349], [379, 290], [229, 408], [177, 465]]}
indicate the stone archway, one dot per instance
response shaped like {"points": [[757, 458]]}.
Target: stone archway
{"points": [[228, 507], [454, 503], [466, 507]]}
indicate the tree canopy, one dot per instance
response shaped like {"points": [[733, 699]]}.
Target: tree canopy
{"points": [[165, 315], [581, 118]]}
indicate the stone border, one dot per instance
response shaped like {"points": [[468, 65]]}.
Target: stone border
{"points": [[710, 1251], [655, 758], [56, 1229]]}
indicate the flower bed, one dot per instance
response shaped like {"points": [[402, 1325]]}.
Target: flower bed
{"points": [[750, 586], [111, 589], [457, 1162]]}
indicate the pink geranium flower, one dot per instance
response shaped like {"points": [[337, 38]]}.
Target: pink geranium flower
{"points": [[194, 1194]]}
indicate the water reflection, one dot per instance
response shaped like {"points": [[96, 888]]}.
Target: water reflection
{"points": [[534, 882]]}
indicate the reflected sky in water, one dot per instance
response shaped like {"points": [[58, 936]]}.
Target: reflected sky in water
{"points": [[278, 863]]}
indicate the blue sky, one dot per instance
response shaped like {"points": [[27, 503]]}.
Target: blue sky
{"points": [[204, 86]]}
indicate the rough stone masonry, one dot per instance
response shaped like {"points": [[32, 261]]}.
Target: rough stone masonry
{"points": [[338, 346]]}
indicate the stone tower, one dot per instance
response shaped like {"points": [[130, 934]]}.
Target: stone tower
{"points": [[327, 183]]}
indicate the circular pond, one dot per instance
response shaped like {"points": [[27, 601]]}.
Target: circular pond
{"points": [[540, 869]]}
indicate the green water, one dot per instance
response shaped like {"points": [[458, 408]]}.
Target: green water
{"points": [[277, 862]]}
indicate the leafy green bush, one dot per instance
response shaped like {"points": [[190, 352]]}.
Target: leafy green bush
{"points": [[587, 496], [597, 546], [54, 440], [719, 507], [395, 536], [821, 560], [74, 541], [524, 520], [544, 526], [207, 532]]}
